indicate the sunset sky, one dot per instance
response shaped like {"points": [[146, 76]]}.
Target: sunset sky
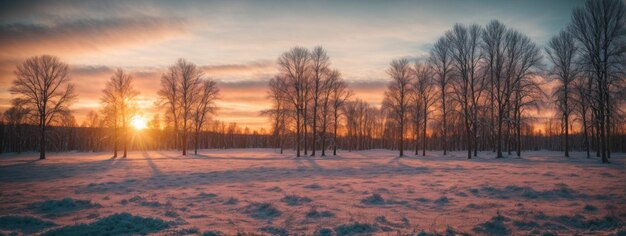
{"points": [[237, 43]]}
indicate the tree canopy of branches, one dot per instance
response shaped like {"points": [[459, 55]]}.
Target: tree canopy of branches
{"points": [[468, 85], [294, 66], [306, 89], [424, 98], [188, 98], [600, 33], [561, 51], [43, 86], [209, 93], [440, 60], [119, 106], [397, 95]]}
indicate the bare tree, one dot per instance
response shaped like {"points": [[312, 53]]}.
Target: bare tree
{"points": [[43, 84], [599, 30], [278, 112], [168, 98], [350, 111], [424, 90], [582, 108], [334, 78], [189, 82], [319, 77], [180, 91], [205, 106], [16, 117], [120, 105], [526, 89], [17, 114], [440, 60], [293, 64], [340, 94], [397, 95], [495, 47], [468, 87], [92, 122], [561, 51]]}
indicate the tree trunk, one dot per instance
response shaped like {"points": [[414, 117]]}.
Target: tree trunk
{"points": [[195, 148], [335, 135], [424, 130], [469, 143], [499, 137], [184, 143], [519, 137], [566, 135], [305, 131], [585, 132], [125, 138], [314, 128], [115, 140], [298, 133], [445, 128], [416, 138], [324, 135], [401, 147], [42, 142]]}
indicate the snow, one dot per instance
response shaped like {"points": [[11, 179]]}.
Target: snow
{"points": [[259, 190]]}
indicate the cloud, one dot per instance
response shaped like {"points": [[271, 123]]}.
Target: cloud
{"points": [[257, 67], [84, 35]]}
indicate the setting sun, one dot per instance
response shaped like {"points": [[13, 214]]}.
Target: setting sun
{"points": [[138, 122]]}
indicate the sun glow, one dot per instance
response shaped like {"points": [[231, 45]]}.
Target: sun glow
{"points": [[138, 122]]}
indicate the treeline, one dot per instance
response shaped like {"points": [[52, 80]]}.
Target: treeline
{"points": [[221, 135], [43, 94], [479, 89], [87, 138]]}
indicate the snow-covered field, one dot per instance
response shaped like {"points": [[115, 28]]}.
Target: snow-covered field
{"points": [[258, 190]]}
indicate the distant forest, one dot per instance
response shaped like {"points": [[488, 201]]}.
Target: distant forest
{"points": [[478, 90]]}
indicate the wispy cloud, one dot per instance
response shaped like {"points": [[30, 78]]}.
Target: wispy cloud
{"points": [[84, 35]]}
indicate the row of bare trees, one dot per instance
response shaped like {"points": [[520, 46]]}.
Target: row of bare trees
{"points": [[478, 87], [43, 93], [475, 91], [485, 75], [589, 59], [307, 96], [492, 75], [189, 99]]}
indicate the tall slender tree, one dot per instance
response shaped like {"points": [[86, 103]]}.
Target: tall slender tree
{"points": [[494, 47], [340, 94], [319, 77], [334, 77], [205, 106], [468, 87], [397, 95], [180, 90], [600, 33], [562, 52], [440, 60], [294, 65], [424, 90], [120, 106], [43, 84]]}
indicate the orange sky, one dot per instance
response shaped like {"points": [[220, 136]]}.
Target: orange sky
{"points": [[237, 42]]}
